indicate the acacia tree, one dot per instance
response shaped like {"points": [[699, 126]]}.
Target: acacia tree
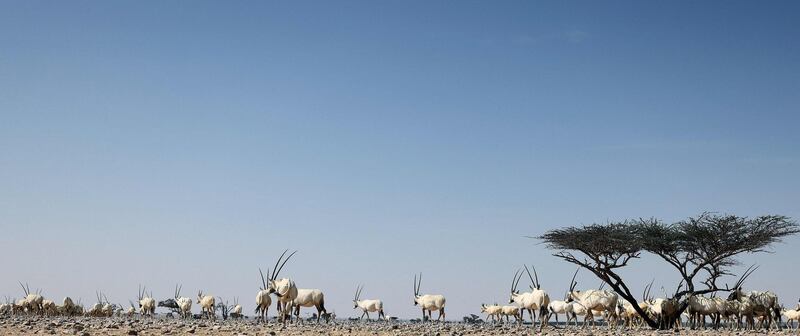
{"points": [[707, 244]]}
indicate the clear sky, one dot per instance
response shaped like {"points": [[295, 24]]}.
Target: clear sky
{"points": [[189, 141]]}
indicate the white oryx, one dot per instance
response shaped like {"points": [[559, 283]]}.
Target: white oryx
{"points": [[664, 311], [368, 306], [97, 308], [630, 317], [49, 308], [67, 306], [730, 313], [764, 304], [131, 311], [792, 316], [32, 302], [494, 311], [310, 298], [700, 307], [207, 303], [108, 307], [580, 310], [512, 311], [284, 289], [595, 300], [428, 302], [263, 300], [534, 301], [20, 306], [5, 308], [557, 307], [236, 311], [147, 304], [184, 303]]}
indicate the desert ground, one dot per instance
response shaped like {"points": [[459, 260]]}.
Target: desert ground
{"points": [[85, 326]]}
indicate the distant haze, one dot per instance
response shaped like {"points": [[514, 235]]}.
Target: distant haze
{"points": [[157, 143]]}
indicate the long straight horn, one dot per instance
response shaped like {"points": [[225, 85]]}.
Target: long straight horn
{"points": [[536, 276], [419, 284], [263, 282], [23, 288], [514, 281], [284, 263], [744, 276], [415, 284], [533, 282], [572, 282], [753, 269], [647, 290], [275, 268]]}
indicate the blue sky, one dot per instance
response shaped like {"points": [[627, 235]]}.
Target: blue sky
{"points": [[192, 142]]}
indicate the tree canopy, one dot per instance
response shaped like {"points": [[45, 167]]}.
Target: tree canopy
{"points": [[707, 244]]}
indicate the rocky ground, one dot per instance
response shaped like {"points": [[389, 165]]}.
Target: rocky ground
{"points": [[119, 326]]}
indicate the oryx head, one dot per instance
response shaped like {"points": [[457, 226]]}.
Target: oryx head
{"points": [[736, 292], [483, 307], [357, 296], [514, 283], [273, 285], [199, 296], [417, 284]]}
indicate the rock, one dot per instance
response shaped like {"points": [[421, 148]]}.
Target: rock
{"points": [[133, 332]]}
